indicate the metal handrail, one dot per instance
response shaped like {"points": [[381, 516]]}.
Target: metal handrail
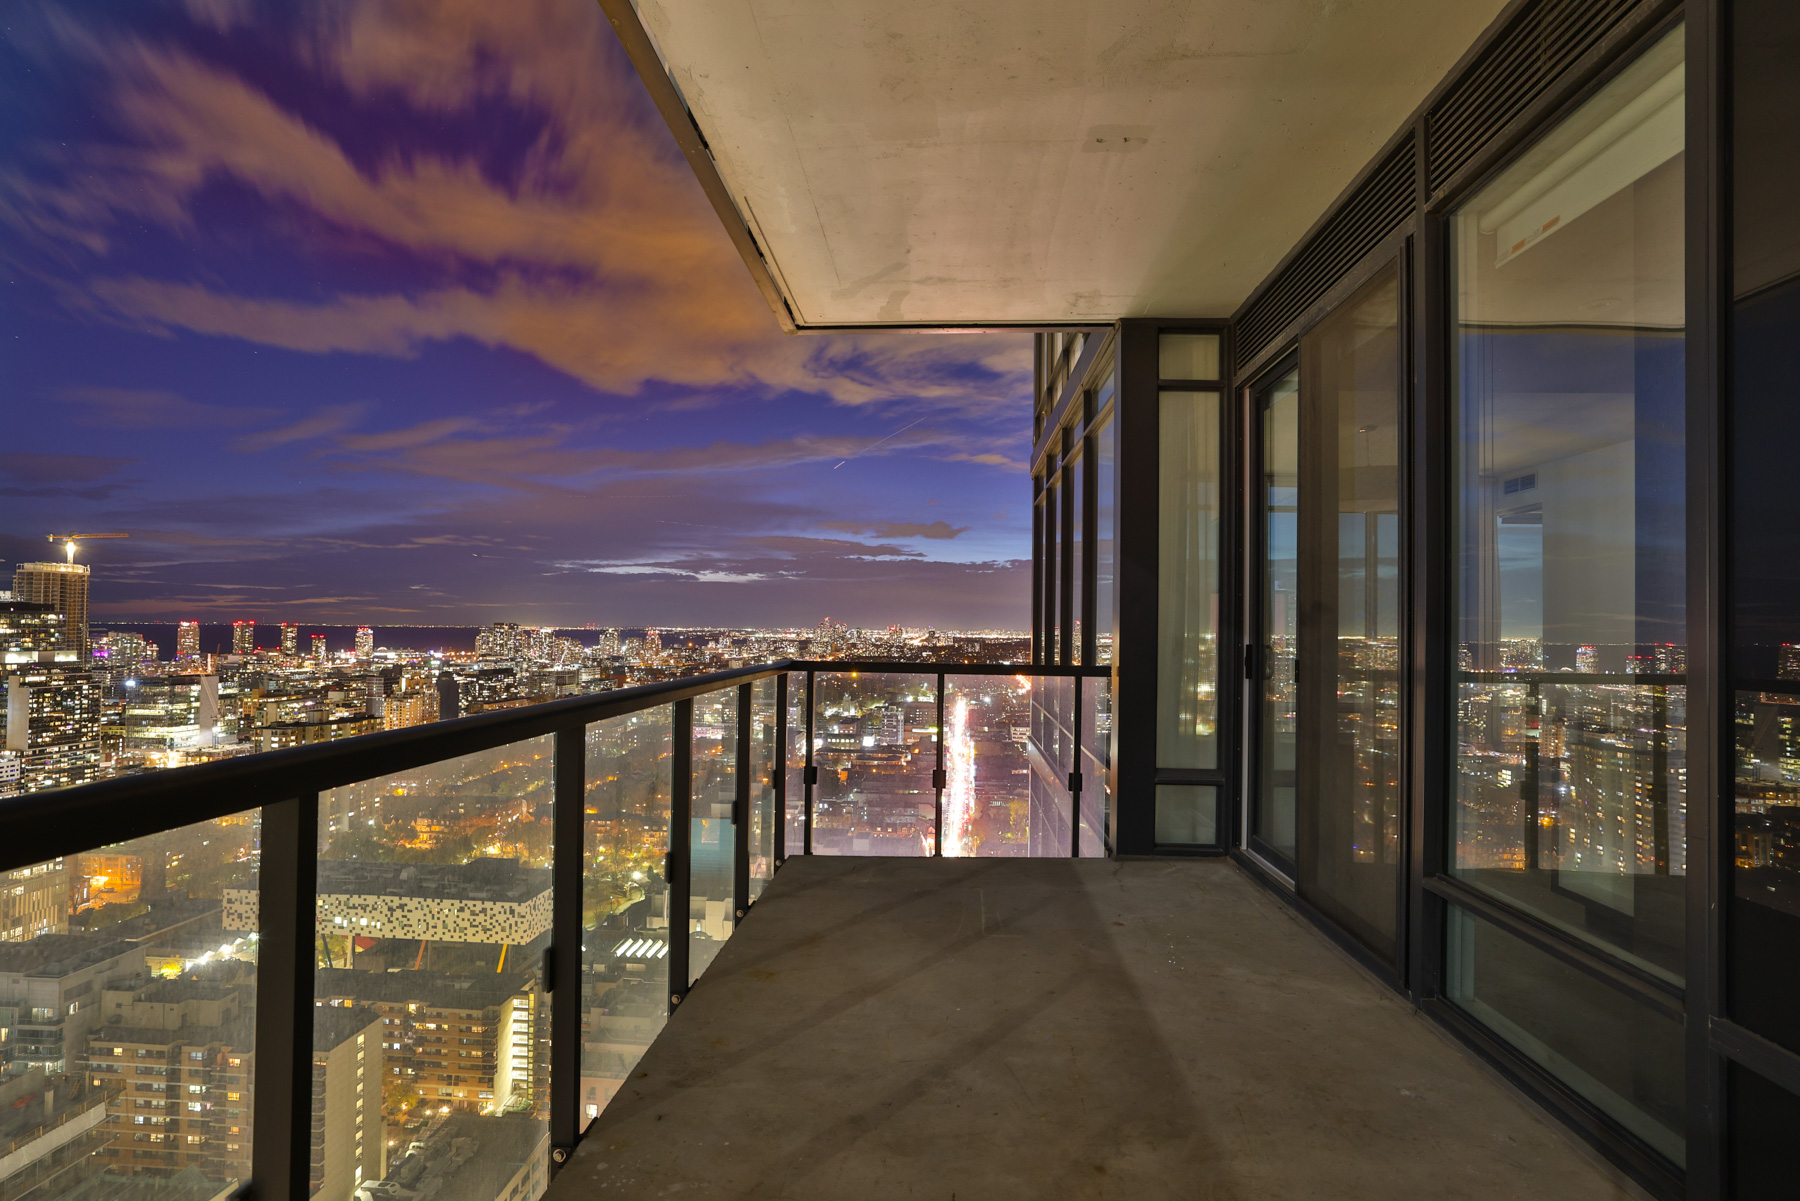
{"points": [[285, 785], [46, 825]]}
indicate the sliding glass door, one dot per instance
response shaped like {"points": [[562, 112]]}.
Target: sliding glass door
{"points": [[1276, 616], [1325, 791]]}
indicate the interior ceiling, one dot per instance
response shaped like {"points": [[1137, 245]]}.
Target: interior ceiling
{"points": [[1038, 161]]}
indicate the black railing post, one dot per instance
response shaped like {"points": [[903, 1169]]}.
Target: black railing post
{"points": [[681, 832], [778, 768], [1075, 765], [562, 974], [938, 779], [740, 808], [288, 880], [812, 769]]}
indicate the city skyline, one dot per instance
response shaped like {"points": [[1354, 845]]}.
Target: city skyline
{"points": [[328, 309]]}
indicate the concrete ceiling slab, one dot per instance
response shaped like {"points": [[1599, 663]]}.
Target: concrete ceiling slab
{"points": [[1047, 161]]}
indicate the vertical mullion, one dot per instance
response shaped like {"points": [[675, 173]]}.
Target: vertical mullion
{"points": [[937, 776], [812, 771], [288, 880], [778, 769], [1711, 705], [681, 831], [740, 808], [563, 977]]}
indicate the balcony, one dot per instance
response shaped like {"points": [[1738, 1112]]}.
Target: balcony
{"points": [[1042, 1028], [949, 958]]}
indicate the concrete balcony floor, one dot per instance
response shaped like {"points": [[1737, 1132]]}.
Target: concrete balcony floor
{"points": [[976, 1029]]}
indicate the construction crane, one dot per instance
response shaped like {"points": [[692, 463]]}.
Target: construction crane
{"points": [[69, 540]]}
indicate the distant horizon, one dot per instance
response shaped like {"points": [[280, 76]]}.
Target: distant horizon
{"points": [[216, 636]]}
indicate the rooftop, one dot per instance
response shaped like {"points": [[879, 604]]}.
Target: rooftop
{"points": [[58, 955], [335, 1025], [430, 988], [1011, 1028]]}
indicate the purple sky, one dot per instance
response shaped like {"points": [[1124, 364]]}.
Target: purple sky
{"points": [[411, 312]]}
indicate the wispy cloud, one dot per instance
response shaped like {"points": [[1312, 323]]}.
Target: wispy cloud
{"points": [[896, 529], [156, 408], [593, 252], [329, 420]]}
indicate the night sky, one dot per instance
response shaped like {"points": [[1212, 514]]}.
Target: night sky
{"points": [[412, 313]]}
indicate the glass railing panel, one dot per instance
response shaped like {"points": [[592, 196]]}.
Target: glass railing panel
{"points": [[1052, 756], [988, 792], [763, 752], [625, 900], [795, 817], [129, 1026], [875, 745], [713, 837], [431, 1025], [1094, 735]]}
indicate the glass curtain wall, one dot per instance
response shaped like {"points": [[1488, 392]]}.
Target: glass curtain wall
{"points": [[1075, 505], [1346, 673], [1763, 914], [1105, 451], [1051, 562], [1569, 345]]}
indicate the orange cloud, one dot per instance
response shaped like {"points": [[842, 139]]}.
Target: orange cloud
{"points": [[600, 257]]}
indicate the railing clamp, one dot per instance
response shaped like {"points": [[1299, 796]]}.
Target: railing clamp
{"points": [[940, 778], [812, 773], [1074, 781]]}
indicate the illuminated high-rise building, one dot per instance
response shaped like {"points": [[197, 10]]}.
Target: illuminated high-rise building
{"points": [[30, 633], [53, 724], [243, 637], [165, 713], [290, 638], [498, 641], [123, 651], [64, 587], [365, 641], [318, 647], [187, 640]]}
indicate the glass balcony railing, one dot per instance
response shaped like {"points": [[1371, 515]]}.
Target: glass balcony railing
{"points": [[345, 971]]}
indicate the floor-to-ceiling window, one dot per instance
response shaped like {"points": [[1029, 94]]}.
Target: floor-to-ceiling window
{"points": [[1189, 561], [1568, 796], [1762, 811]]}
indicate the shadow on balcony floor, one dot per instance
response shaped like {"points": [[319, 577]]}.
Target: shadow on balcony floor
{"points": [[981, 1029]]}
